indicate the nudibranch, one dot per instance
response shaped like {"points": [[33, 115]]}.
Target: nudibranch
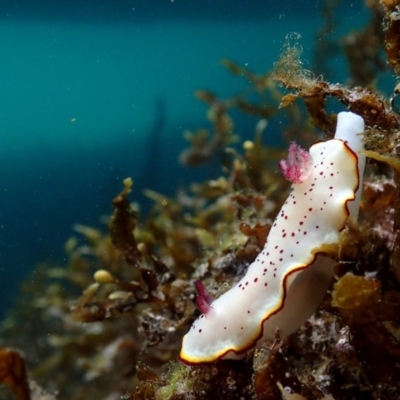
{"points": [[289, 278]]}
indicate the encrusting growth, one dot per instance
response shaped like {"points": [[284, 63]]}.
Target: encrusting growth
{"points": [[289, 278]]}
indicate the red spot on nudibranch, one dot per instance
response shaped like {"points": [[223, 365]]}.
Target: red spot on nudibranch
{"points": [[297, 167]]}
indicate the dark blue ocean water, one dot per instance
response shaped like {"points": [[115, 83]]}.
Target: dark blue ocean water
{"points": [[95, 91]]}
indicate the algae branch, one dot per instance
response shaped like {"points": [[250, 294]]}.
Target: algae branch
{"points": [[110, 323]]}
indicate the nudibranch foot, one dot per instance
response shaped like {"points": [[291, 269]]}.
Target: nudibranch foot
{"points": [[289, 278], [277, 340]]}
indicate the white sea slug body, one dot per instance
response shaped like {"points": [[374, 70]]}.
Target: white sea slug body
{"points": [[289, 278]]}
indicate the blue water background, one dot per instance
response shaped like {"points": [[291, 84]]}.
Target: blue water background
{"points": [[97, 91]]}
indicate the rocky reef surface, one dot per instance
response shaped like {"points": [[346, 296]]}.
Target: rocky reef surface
{"points": [[109, 324]]}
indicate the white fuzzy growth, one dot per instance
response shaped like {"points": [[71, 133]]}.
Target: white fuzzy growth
{"points": [[288, 279]]}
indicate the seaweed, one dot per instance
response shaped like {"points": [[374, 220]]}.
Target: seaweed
{"points": [[364, 49], [13, 373], [392, 45], [109, 324]]}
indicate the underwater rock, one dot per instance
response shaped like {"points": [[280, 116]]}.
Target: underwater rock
{"points": [[110, 323]]}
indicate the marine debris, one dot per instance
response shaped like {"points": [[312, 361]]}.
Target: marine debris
{"points": [[110, 324]]}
